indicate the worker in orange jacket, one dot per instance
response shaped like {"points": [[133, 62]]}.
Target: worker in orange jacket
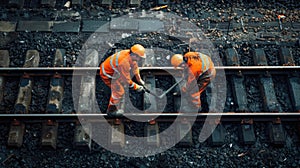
{"points": [[115, 73], [198, 70]]}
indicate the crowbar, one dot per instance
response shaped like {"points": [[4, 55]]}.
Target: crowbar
{"points": [[150, 92], [162, 95], [167, 91]]}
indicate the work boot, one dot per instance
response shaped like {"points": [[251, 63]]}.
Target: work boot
{"points": [[112, 111], [118, 113]]}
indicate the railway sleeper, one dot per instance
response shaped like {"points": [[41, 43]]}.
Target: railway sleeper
{"points": [[267, 90], [87, 91], [32, 58], [91, 58], [55, 95], [246, 132], [82, 137], [34, 26], [24, 95], [276, 133], [49, 134], [286, 57], [95, 26], [217, 137], [151, 26], [4, 62], [87, 95], [60, 58], [66, 27], [117, 135], [239, 93], [266, 83], [16, 161], [77, 3], [294, 86], [259, 57], [150, 104], [152, 134], [16, 134], [232, 57], [16, 3], [124, 24], [184, 134], [48, 3], [4, 58]]}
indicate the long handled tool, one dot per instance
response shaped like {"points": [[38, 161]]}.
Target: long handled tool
{"points": [[167, 91], [150, 92]]}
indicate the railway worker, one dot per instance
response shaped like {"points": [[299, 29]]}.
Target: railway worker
{"points": [[198, 70], [115, 73]]}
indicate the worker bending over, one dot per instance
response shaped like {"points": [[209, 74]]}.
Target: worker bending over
{"points": [[198, 70], [115, 73]]}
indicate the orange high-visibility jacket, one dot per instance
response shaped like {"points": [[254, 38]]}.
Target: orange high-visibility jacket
{"points": [[118, 66], [197, 65]]}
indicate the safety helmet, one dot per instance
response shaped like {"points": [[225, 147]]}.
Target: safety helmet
{"points": [[138, 50], [176, 60], [190, 54]]}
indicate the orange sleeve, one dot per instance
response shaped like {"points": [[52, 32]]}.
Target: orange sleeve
{"points": [[136, 71], [191, 78], [193, 74], [135, 68], [125, 74]]}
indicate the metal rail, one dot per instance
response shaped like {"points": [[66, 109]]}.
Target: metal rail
{"points": [[228, 116], [49, 71]]}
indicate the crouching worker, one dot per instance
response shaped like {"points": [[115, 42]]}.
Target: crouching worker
{"points": [[115, 73], [199, 70]]}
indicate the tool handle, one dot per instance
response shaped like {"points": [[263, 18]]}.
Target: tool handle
{"points": [[150, 92]]}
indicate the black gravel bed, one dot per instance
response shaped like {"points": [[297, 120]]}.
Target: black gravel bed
{"points": [[39, 99], [45, 43], [282, 92], [231, 154], [10, 94], [296, 55], [67, 102], [254, 97]]}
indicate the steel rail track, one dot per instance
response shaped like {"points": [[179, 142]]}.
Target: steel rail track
{"points": [[227, 116], [229, 70]]}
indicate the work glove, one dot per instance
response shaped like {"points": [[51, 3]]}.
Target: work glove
{"points": [[140, 88]]}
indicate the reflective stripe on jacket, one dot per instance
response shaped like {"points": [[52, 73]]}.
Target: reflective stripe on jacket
{"points": [[121, 64], [198, 66]]}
